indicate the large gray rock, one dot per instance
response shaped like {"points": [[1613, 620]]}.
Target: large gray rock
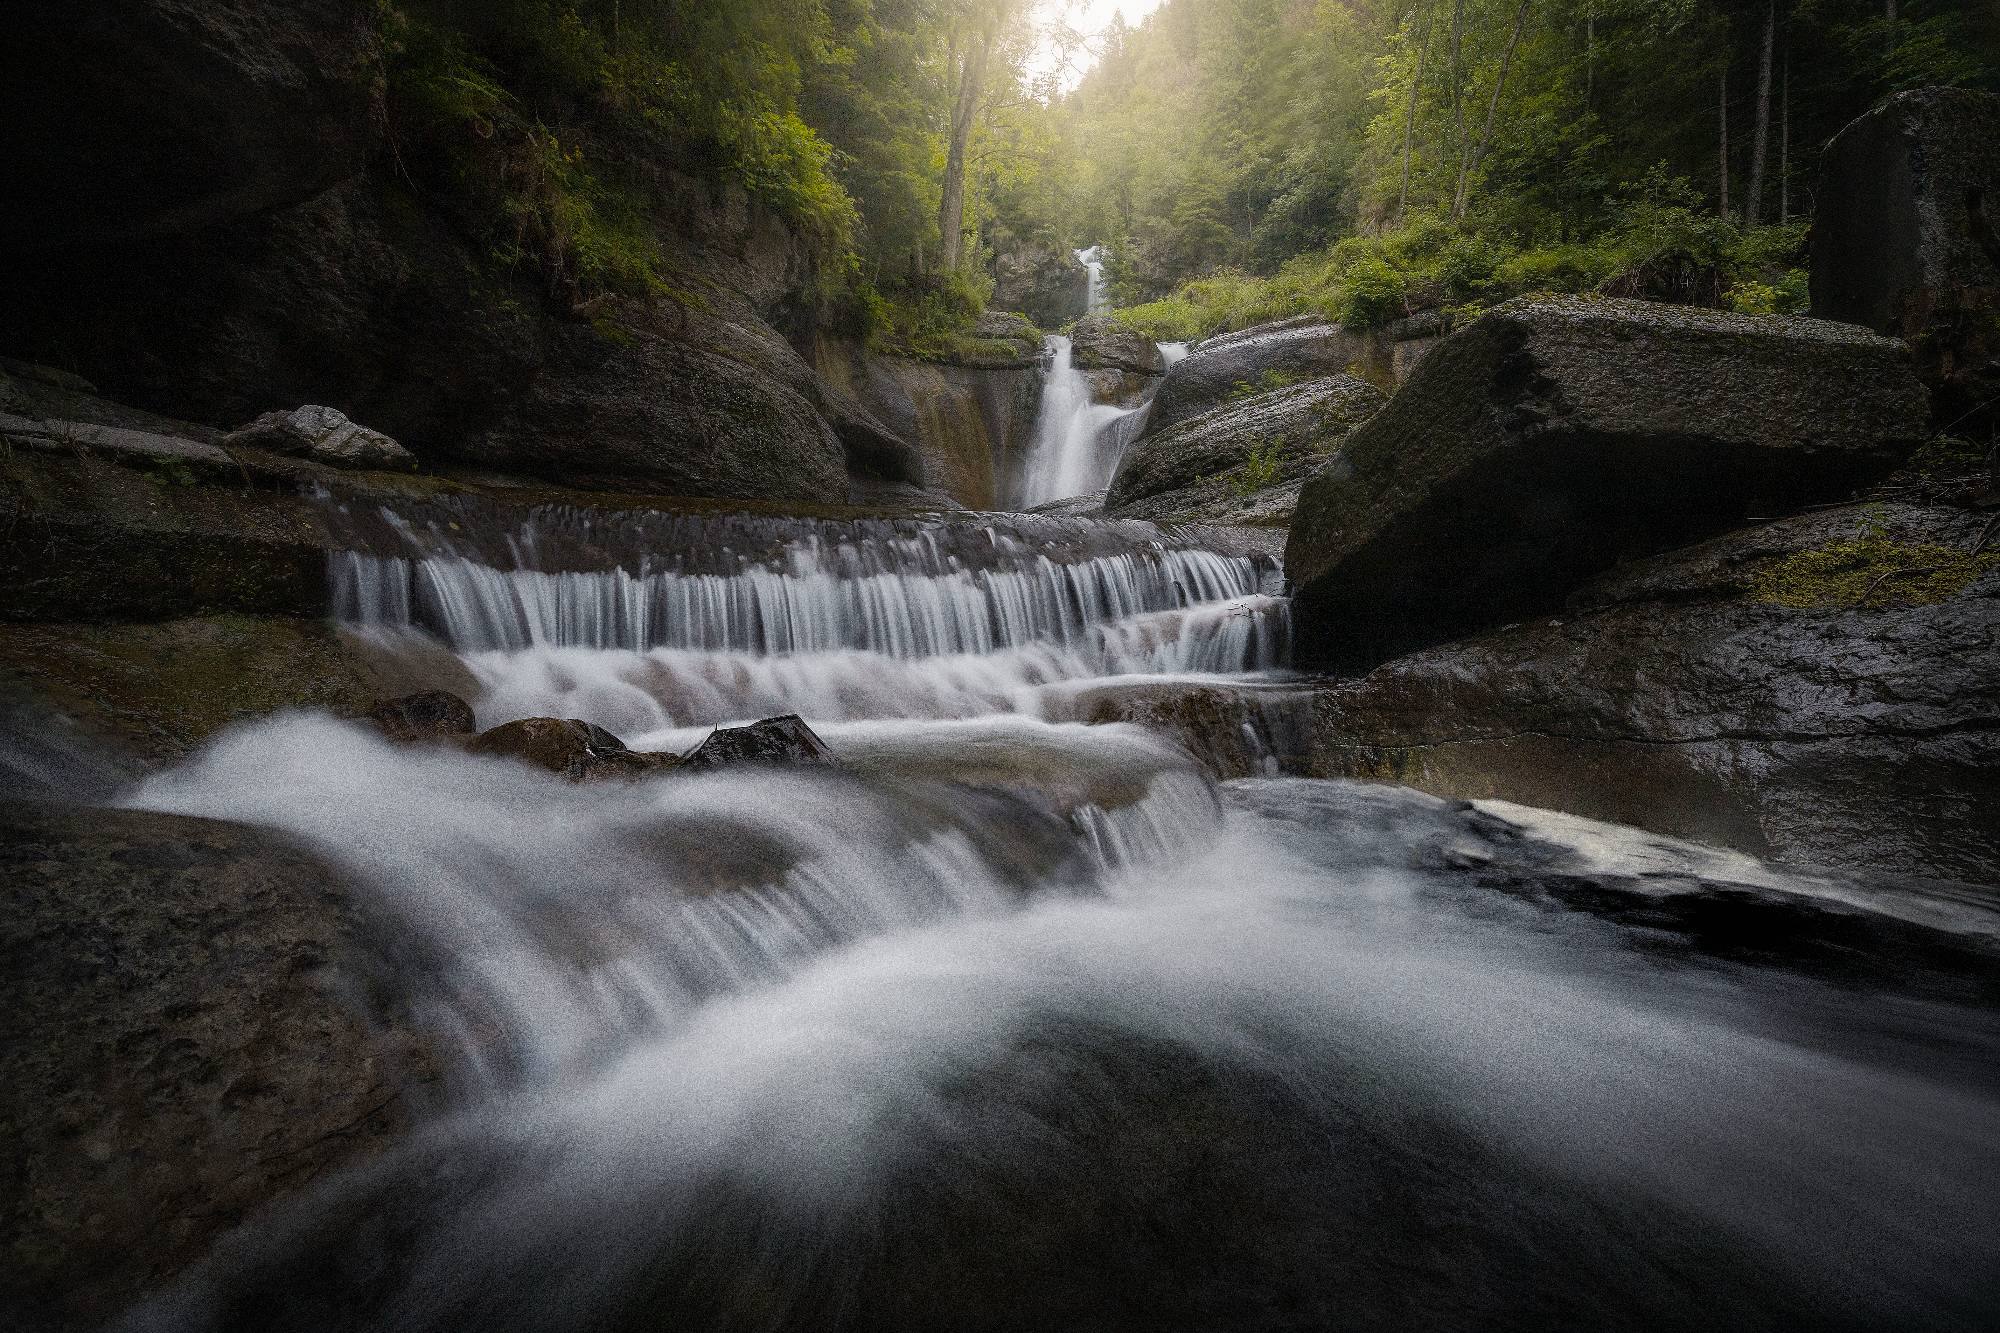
{"points": [[179, 1046], [1045, 282], [1820, 689], [1243, 462], [324, 435], [1101, 343], [130, 118], [1906, 237], [1268, 357], [1554, 438]]}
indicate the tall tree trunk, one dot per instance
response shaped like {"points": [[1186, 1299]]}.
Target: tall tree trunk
{"points": [[1468, 164], [1410, 112], [964, 111], [1590, 56], [1785, 139], [1753, 205], [1458, 81], [1889, 27], [1722, 175]]}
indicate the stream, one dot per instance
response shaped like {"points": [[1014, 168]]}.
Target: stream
{"points": [[1007, 1021]]}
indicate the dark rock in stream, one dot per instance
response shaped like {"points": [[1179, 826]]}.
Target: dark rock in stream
{"points": [[184, 1042], [578, 750], [775, 740], [434, 715], [1554, 438]]}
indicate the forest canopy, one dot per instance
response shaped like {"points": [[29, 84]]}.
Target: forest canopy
{"points": [[1236, 159]]}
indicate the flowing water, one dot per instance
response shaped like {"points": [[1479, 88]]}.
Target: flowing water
{"points": [[1097, 299], [1009, 1022]]}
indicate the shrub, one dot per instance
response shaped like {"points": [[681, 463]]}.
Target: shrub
{"points": [[1375, 293]]}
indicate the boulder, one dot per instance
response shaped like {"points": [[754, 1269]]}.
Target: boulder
{"points": [[136, 118], [1044, 282], [1242, 462], [775, 740], [578, 750], [1102, 343], [434, 715], [1906, 238], [1271, 356], [1819, 690], [323, 435], [1554, 438], [181, 1047]]}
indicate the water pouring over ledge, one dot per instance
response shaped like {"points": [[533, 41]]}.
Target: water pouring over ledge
{"points": [[1011, 1021]]}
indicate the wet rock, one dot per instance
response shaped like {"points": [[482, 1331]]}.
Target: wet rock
{"points": [[1554, 438], [181, 1047], [1821, 690], [1244, 461], [133, 118], [1099, 342], [578, 750], [1259, 360], [775, 740], [1046, 283], [1906, 239], [323, 435], [434, 715], [1235, 731]]}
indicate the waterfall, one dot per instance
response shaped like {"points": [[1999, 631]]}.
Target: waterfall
{"points": [[709, 620], [1098, 301], [1077, 443], [1009, 1021]]}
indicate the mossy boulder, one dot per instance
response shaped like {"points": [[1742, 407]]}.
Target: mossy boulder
{"points": [[1554, 438]]}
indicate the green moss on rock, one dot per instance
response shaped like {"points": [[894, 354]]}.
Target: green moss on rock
{"points": [[1873, 570]]}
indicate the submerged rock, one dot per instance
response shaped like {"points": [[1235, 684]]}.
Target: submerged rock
{"points": [[1242, 462], [578, 750], [1822, 690], [434, 715], [323, 435], [775, 740], [1906, 239], [1233, 365], [1553, 438], [181, 1048]]}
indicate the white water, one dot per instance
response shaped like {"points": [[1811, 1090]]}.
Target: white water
{"points": [[1076, 445], [1098, 300], [1014, 1023]]}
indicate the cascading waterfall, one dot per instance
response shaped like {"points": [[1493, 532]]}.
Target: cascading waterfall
{"points": [[1010, 1022], [1078, 440], [1097, 301]]}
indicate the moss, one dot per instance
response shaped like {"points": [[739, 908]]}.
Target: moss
{"points": [[1269, 382], [1872, 571], [1948, 456]]}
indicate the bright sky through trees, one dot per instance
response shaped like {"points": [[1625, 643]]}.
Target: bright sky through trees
{"points": [[1088, 18]]}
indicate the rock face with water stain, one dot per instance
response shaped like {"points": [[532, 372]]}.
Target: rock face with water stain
{"points": [[1243, 462], [184, 1043], [1824, 689], [1906, 239], [1554, 438]]}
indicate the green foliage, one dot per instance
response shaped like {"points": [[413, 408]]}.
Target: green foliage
{"points": [[1259, 472], [1374, 294], [1269, 382]]}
